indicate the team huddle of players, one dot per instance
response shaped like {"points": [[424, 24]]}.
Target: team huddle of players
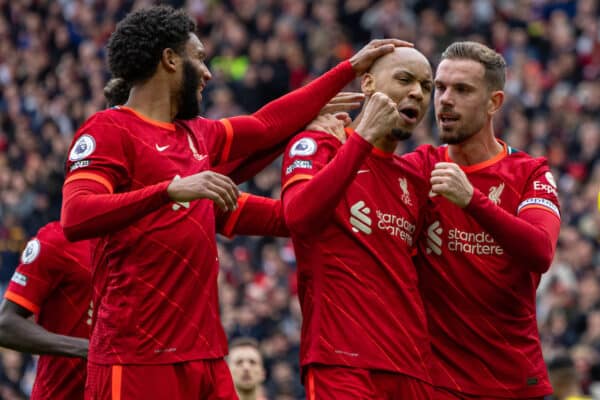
{"points": [[417, 272]]}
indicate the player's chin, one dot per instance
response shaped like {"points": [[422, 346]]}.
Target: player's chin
{"points": [[401, 133]]}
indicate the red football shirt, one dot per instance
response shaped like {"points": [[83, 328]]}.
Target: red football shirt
{"points": [[53, 281], [156, 266], [155, 279], [357, 283], [480, 300]]}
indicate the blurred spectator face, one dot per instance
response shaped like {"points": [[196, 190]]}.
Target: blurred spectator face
{"points": [[405, 76], [246, 365]]}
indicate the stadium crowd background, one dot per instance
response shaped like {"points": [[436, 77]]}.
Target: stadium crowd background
{"points": [[52, 72]]}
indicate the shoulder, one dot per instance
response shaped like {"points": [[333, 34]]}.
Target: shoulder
{"points": [[308, 142], [46, 240], [523, 161]]}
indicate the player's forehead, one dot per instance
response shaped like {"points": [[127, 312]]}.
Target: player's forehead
{"points": [[453, 71], [194, 45], [405, 59], [244, 353]]}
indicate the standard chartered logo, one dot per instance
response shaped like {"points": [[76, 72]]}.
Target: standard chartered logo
{"points": [[395, 225], [434, 240], [359, 218], [459, 241]]}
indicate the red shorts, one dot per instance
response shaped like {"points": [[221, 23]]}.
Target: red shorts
{"points": [[445, 394], [195, 380], [341, 383]]}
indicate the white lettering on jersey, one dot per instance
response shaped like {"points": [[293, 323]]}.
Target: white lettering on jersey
{"points": [[19, 279], [458, 241]]}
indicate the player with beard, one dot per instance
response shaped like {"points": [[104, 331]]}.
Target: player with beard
{"points": [[354, 212], [491, 229], [139, 179]]}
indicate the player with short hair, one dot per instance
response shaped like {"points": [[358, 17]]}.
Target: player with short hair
{"points": [[354, 212], [246, 364], [492, 224], [139, 178], [53, 282]]}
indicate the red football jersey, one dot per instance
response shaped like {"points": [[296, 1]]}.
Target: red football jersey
{"points": [[155, 280], [480, 301], [54, 282], [357, 283]]}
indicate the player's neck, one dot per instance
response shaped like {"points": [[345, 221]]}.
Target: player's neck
{"points": [[149, 99], [478, 148]]}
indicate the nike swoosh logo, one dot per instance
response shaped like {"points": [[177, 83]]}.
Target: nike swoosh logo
{"points": [[161, 148], [362, 171]]}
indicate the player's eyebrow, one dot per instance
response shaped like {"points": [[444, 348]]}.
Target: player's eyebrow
{"points": [[412, 76]]}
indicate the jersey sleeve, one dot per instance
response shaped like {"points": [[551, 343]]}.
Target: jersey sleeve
{"points": [[540, 192], [37, 275], [278, 120], [255, 215], [306, 155], [99, 153]]}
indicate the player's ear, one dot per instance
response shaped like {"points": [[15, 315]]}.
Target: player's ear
{"points": [[367, 84], [495, 102], [169, 59]]}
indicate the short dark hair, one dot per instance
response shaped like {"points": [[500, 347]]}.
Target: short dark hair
{"points": [[136, 46], [244, 341], [493, 63]]}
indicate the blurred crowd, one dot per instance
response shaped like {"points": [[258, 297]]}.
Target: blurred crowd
{"points": [[52, 72]]}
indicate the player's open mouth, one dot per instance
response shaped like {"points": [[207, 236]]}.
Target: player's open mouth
{"points": [[410, 114], [448, 118]]}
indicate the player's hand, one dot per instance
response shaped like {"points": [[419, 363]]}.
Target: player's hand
{"points": [[343, 101], [205, 185], [448, 180], [362, 61], [332, 124], [380, 116]]}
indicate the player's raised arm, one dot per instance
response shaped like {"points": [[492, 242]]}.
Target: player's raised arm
{"points": [[281, 118], [19, 333]]}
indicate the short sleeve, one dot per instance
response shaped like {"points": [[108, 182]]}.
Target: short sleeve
{"points": [[37, 275], [100, 152], [306, 155], [540, 191]]}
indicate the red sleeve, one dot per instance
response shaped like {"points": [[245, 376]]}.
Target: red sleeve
{"points": [[309, 205], [38, 273], [242, 169], [100, 148], [90, 210], [255, 215], [279, 119], [530, 236]]}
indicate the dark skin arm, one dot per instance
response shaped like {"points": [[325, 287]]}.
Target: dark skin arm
{"points": [[19, 333]]}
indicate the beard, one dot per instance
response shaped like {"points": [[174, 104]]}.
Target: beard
{"points": [[189, 106], [460, 133], [400, 134]]}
